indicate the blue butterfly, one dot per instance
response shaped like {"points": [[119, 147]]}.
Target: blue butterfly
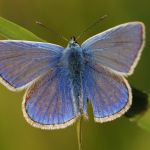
{"points": [[61, 80]]}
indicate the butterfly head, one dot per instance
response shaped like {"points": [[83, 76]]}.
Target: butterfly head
{"points": [[73, 42]]}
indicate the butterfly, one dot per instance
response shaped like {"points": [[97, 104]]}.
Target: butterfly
{"points": [[60, 81]]}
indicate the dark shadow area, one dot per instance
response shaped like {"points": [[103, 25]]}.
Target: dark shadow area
{"points": [[139, 103]]}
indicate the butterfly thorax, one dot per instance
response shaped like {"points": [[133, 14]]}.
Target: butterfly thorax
{"points": [[73, 57]]}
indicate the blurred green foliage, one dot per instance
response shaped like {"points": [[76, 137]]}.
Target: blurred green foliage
{"points": [[69, 17], [13, 31]]}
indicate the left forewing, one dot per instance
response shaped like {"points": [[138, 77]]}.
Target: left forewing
{"points": [[23, 61]]}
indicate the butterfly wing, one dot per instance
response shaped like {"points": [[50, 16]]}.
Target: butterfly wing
{"points": [[118, 48], [109, 93], [49, 102], [23, 61]]}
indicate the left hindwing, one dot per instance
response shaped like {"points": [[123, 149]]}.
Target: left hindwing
{"points": [[49, 103]]}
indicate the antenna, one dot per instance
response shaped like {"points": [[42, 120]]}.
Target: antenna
{"points": [[52, 31], [91, 26]]}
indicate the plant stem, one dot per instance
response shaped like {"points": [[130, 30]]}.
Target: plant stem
{"points": [[79, 133]]}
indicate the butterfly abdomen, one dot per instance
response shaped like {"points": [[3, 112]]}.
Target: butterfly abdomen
{"points": [[74, 64]]}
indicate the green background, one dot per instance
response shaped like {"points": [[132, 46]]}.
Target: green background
{"points": [[70, 17]]}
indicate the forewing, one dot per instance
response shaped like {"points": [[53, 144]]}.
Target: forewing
{"points": [[109, 93], [118, 48], [49, 103], [23, 61]]}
